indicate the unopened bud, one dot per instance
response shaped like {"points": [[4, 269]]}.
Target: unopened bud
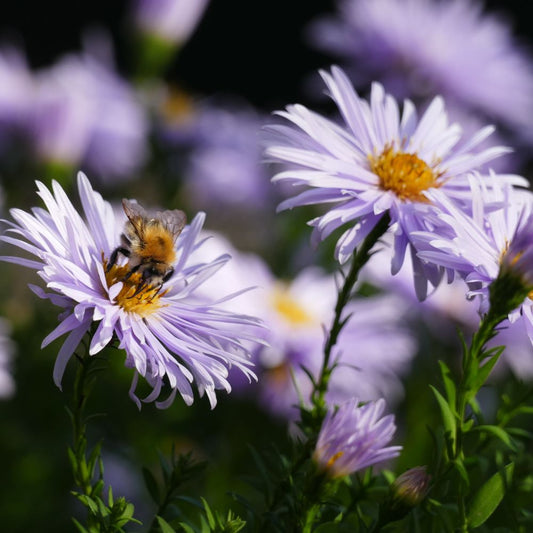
{"points": [[411, 487]]}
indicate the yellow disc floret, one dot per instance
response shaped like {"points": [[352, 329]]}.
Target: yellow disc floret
{"points": [[289, 308], [136, 296], [404, 174]]}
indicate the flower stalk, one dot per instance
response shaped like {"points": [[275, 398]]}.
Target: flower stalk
{"points": [[360, 257]]}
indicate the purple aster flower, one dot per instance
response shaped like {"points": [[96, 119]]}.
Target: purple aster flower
{"points": [[378, 162], [172, 21], [224, 164], [170, 335], [354, 437], [7, 383], [85, 113], [16, 87], [495, 241], [427, 47]]}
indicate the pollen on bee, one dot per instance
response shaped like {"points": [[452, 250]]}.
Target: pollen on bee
{"points": [[135, 296]]}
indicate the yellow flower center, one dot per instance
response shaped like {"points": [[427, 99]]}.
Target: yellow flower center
{"points": [[134, 297], [333, 459], [404, 174], [289, 309]]}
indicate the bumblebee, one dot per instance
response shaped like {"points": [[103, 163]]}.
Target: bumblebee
{"points": [[148, 242]]}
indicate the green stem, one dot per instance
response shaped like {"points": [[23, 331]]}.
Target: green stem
{"points": [[360, 257], [472, 360]]}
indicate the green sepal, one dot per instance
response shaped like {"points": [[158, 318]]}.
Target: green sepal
{"points": [[489, 496]]}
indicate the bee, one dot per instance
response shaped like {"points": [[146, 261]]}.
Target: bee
{"points": [[148, 241]]}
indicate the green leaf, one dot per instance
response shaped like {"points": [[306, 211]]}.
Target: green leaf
{"points": [[459, 465], [186, 527], [489, 496], [151, 484], [498, 432], [449, 384], [484, 371], [209, 514], [448, 418], [80, 528], [165, 526]]}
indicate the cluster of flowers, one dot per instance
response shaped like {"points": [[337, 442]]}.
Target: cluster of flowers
{"points": [[451, 219], [455, 220]]}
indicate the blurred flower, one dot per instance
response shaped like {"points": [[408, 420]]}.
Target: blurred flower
{"points": [[172, 21], [7, 383], [15, 87], [354, 437], [296, 313], [169, 336], [225, 162], [84, 113], [428, 47], [379, 162]]}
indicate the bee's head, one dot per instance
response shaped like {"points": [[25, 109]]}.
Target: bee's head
{"points": [[156, 274]]}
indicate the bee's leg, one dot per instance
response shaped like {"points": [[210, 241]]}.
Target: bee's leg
{"points": [[131, 271], [113, 258]]}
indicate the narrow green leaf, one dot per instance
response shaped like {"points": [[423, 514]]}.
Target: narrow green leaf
{"points": [[498, 432], [489, 496], [186, 527], [449, 384], [459, 465], [483, 372], [448, 418], [209, 514], [151, 484], [165, 526], [80, 528]]}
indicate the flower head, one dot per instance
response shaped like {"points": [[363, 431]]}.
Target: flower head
{"points": [[84, 112], [354, 437], [169, 335], [491, 248], [378, 162], [419, 48]]}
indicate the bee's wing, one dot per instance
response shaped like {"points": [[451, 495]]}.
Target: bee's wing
{"points": [[136, 215], [174, 221]]}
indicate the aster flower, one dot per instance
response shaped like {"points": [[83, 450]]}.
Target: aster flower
{"points": [[169, 335], [16, 87], [419, 48], [378, 163], [224, 163], [354, 437], [83, 112], [494, 244]]}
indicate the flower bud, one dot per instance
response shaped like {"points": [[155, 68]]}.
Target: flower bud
{"points": [[411, 487]]}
